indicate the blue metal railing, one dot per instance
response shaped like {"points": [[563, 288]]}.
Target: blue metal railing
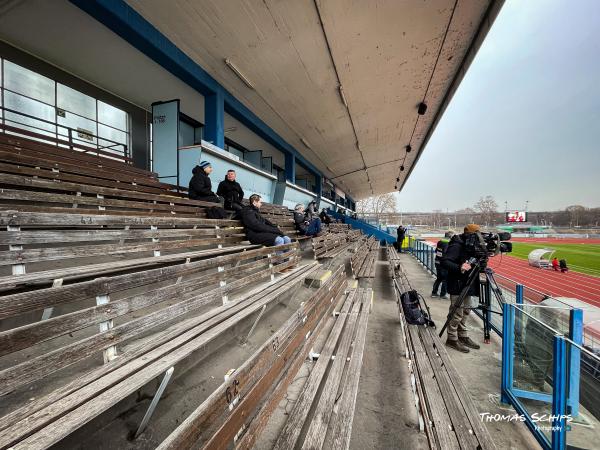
{"points": [[368, 229]]}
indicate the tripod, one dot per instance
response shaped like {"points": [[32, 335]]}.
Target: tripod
{"points": [[487, 285]]}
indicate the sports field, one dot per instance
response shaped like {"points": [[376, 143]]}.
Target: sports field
{"points": [[580, 257]]}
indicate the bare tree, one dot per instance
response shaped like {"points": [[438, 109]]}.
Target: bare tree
{"points": [[575, 214], [487, 209], [377, 206]]}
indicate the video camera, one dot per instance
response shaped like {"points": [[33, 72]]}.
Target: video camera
{"points": [[485, 245]]}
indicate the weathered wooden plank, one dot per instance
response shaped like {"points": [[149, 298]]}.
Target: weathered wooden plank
{"points": [[75, 219], [317, 429], [481, 432], [291, 431], [19, 338], [31, 237], [43, 365], [242, 413], [120, 192], [84, 201], [189, 432], [73, 273], [274, 396], [22, 302], [30, 255], [18, 165], [340, 424], [85, 404], [442, 424], [460, 422]]}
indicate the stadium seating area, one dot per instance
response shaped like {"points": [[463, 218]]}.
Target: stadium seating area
{"points": [[101, 258]]}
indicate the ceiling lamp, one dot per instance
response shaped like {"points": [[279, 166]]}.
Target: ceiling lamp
{"points": [[239, 74], [422, 108], [401, 168], [408, 148]]}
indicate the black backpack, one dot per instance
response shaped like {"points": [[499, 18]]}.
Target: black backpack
{"points": [[216, 212], [411, 306]]}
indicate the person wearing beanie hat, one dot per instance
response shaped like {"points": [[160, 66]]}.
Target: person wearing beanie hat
{"points": [[454, 262], [200, 185]]}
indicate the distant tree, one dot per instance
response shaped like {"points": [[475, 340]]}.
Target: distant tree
{"points": [[487, 209], [377, 205], [576, 213]]}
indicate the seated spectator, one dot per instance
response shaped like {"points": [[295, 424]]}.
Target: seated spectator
{"points": [[563, 266], [258, 229], [555, 264], [306, 225], [200, 184], [325, 218], [311, 210], [231, 191]]}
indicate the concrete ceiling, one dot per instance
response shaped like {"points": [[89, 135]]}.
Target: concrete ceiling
{"points": [[387, 55]]}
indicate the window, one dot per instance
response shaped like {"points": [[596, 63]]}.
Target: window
{"points": [[35, 103]]}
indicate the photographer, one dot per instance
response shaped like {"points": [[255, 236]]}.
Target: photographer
{"points": [[455, 263]]}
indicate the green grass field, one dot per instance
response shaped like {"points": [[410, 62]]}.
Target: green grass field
{"points": [[583, 258]]}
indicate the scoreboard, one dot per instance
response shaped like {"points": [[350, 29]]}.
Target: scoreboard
{"points": [[516, 216]]}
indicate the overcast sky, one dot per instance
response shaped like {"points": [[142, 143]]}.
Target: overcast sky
{"points": [[525, 122]]}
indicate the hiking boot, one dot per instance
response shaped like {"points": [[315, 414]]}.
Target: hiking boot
{"points": [[433, 295], [468, 342], [456, 345], [445, 296]]}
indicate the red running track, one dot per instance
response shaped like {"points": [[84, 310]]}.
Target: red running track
{"points": [[571, 284]]}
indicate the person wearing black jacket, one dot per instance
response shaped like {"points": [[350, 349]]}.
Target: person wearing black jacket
{"points": [[325, 218], [401, 233], [305, 223], [441, 272], [200, 184], [455, 262], [231, 191], [258, 229]]}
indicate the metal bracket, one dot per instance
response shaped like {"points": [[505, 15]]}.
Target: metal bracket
{"points": [[48, 311], [155, 240], [152, 407], [260, 314], [111, 352], [17, 269]]}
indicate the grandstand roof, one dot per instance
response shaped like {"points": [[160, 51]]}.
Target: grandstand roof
{"points": [[298, 56]]}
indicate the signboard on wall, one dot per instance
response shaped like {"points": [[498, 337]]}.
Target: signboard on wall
{"points": [[165, 140], [516, 216]]}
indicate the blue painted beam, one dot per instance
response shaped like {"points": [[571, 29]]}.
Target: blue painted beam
{"points": [[290, 168], [214, 119], [126, 22]]}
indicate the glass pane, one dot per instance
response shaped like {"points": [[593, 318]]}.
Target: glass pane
{"points": [[83, 129], [31, 107], [112, 134], [74, 101], [112, 116], [26, 82]]}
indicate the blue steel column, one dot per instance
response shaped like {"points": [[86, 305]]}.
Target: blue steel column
{"points": [[290, 167], [559, 394], [508, 325], [576, 335], [214, 118], [319, 185]]}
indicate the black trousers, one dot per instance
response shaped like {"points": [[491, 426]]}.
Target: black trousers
{"points": [[442, 274]]}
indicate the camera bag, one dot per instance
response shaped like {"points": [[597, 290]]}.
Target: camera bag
{"points": [[413, 311]]}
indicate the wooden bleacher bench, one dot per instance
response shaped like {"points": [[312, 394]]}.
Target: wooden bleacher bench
{"points": [[329, 245], [156, 339], [144, 281], [257, 386], [325, 406], [338, 227], [446, 412], [363, 261]]}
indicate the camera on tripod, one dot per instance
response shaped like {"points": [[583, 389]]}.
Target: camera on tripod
{"points": [[482, 246]]}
